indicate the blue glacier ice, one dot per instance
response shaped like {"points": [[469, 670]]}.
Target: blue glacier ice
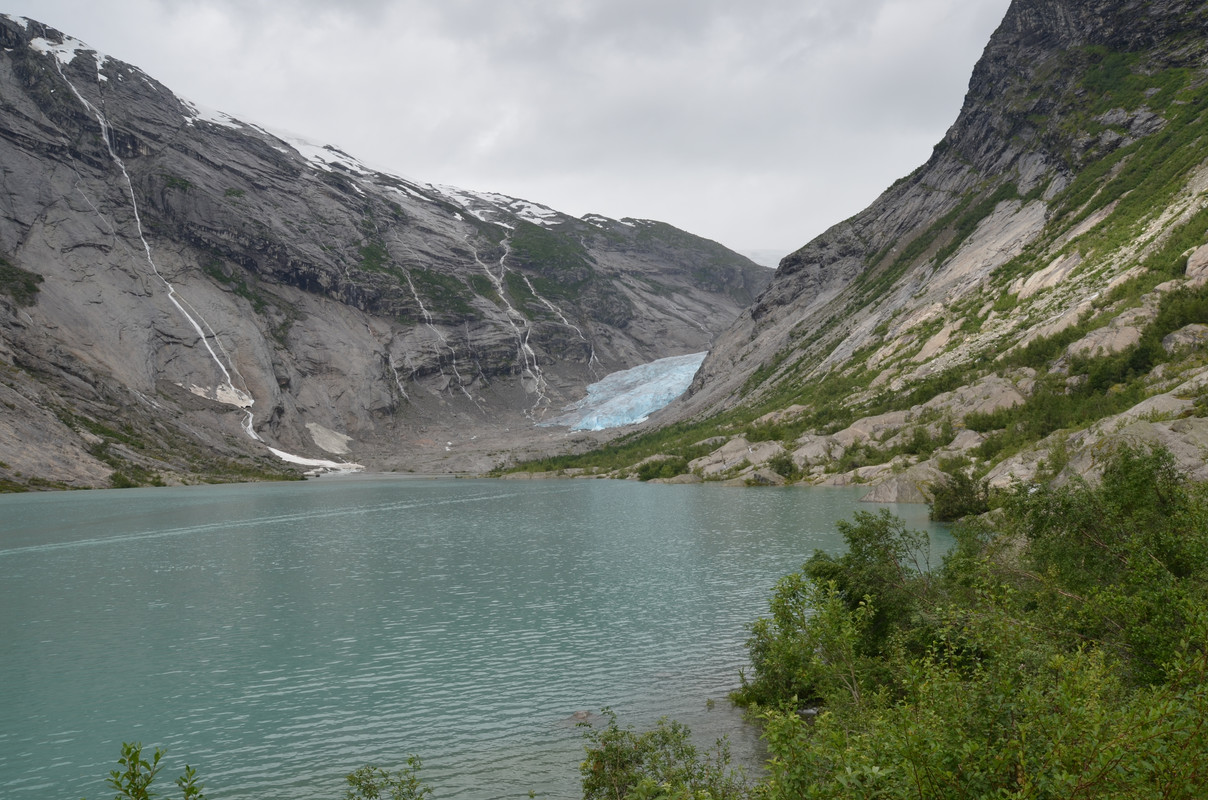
{"points": [[631, 395]]}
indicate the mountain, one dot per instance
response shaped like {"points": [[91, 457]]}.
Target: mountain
{"points": [[187, 296], [1033, 291]]}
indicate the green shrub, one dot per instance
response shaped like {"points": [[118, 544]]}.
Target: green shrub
{"points": [[867, 593], [662, 762], [958, 494], [374, 783], [784, 466], [1062, 651], [662, 468], [133, 781], [177, 182]]}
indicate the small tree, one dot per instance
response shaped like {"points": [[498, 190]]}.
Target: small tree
{"points": [[623, 764], [133, 781], [958, 494], [374, 783]]}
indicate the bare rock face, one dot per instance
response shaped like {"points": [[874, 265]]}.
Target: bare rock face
{"points": [[1187, 337], [246, 291], [1054, 237], [911, 486]]}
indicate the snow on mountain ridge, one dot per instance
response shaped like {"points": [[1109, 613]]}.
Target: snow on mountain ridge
{"points": [[481, 205]]}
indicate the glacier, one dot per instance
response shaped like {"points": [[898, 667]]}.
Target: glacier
{"points": [[630, 395]]}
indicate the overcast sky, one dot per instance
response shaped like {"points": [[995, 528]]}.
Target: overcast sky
{"points": [[757, 123]]}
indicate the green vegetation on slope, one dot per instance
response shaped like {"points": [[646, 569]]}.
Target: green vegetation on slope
{"points": [[1090, 388], [549, 252], [1137, 181], [19, 284], [1058, 652]]}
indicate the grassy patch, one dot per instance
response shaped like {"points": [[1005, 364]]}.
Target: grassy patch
{"points": [[237, 284], [1147, 175], [177, 182], [663, 468], [375, 258], [485, 287], [1109, 384], [19, 284], [548, 252], [521, 296], [446, 292]]}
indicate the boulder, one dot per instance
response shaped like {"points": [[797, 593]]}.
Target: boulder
{"points": [[1120, 334], [869, 428], [1197, 266], [911, 486], [733, 453], [991, 393], [679, 480], [813, 449], [1194, 335], [765, 477]]}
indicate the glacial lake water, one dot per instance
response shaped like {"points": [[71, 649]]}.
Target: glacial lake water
{"points": [[278, 636]]}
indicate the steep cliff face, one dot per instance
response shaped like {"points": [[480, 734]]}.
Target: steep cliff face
{"points": [[1053, 230], [199, 289]]}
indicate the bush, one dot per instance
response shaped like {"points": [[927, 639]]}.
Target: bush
{"points": [[1061, 652], [958, 494], [622, 763], [833, 619], [374, 783], [662, 468], [133, 781], [782, 464], [1124, 563]]}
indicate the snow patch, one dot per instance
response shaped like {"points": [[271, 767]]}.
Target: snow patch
{"points": [[483, 204], [210, 115], [407, 191], [322, 464], [22, 21], [463, 198], [599, 220], [525, 209], [326, 156], [65, 51], [226, 394], [630, 396]]}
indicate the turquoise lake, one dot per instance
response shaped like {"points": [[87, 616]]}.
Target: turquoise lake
{"points": [[278, 636]]}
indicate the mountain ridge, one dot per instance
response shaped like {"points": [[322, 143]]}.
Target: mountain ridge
{"points": [[236, 287], [1004, 309]]}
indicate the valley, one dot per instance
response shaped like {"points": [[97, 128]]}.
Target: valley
{"points": [[192, 294]]}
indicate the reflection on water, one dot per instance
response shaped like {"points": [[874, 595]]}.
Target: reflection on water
{"points": [[278, 636]]}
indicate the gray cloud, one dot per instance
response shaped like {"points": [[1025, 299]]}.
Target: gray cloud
{"points": [[758, 124]]}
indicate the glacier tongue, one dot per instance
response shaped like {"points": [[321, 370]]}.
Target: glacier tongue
{"points": [[631, 395]]}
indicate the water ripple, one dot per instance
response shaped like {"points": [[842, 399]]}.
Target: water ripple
{"points": [[277, 639]]}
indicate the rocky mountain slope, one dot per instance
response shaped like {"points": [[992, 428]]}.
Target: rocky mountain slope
{"points": [[183, 294], [1033, 290]]}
